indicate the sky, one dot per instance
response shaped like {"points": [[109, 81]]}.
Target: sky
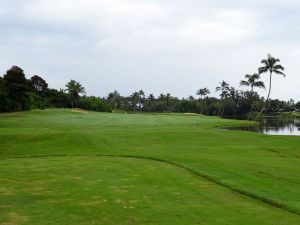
{"points": [[160, 46]]}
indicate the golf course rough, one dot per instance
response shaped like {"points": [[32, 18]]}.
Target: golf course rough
{"points": [[76, 167]]}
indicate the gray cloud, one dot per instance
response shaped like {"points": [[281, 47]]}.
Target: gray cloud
{"points": [[159, 46]]}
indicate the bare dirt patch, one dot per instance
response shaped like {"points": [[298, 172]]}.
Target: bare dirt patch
{"points": [[79, 110], [192, 114]]}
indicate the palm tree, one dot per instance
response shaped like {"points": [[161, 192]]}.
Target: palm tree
{"points": [[224, 89], [151, 97], [203, 92], [113, 99], [74, 88], [134, 99], [161, 97], [141, 99], [191, 98], [150, 102], [252, 81], [271, 65]]}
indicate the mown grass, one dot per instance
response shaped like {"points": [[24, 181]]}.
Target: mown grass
{"points": [[266, 168], [290, 114]]}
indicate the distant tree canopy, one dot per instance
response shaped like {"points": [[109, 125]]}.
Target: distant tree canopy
{"points": [[19, 93]]}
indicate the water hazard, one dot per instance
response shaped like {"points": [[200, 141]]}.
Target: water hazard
{"points": [[272, 125]]}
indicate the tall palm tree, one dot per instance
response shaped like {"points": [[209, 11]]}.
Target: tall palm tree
{"points": [[74, 88], [271, 65], [225, 90], [203, 92], [252, 81]]}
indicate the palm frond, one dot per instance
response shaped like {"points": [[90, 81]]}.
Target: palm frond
{"points": [[279, 72], [244, 83], [262, 69], [264, 61], [259, 84], [278, 67], [255, 76]]}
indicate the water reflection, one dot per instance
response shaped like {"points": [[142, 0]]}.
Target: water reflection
{"points": [[275, 126]]}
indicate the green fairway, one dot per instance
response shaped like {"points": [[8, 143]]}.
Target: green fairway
{"points": [[79, 167]]}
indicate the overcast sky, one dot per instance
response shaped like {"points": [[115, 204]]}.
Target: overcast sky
{"points": [[175, 46]]}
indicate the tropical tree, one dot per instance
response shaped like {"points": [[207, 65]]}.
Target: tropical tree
{"points": [[149, 103], [224, 89], [141, 99], [39, 88], [1, 86], [74, 89], [162, 97], [151, 97], [134, 100], [168, 100], [203, 92], [252, 81], [2, 94], [225, 93], [39, 85], [271, 65], [297, 106], [16, 85], [114, 99], [191, 98]]}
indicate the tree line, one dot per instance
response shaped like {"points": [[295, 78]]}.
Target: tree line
{"points": [[17, 93]]}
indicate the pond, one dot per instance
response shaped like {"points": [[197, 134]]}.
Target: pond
{"points": [[272, 125]]}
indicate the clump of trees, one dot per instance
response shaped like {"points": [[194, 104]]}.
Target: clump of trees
{"points": [[19, 93]]}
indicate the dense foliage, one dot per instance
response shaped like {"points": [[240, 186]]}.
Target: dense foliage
{"points": [[18, 93], [232, 102]]}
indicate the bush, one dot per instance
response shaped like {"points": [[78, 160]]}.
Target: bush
{"points": [[94, 103]]}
